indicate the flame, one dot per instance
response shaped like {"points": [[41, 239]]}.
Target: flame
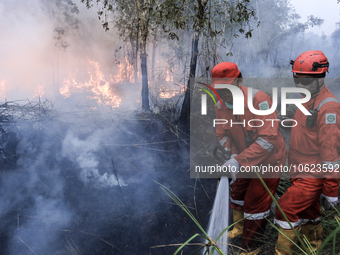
{"points": [[169, 89], [168, 93], [168, 76], [39, 92], [102, 89], [97, 85], [125, 72], [65, 89], [2, 89]]}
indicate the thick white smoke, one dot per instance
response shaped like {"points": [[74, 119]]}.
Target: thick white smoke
{"points": [[85, 154]]}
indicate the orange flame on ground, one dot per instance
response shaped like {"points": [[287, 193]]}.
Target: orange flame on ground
{"points": [[125, 73], [39, 92], [167, 89], [2, 89], [167, 94], [102, 89], [168, 76], [97, 85]]}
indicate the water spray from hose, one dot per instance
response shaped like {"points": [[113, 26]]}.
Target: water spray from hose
{"points": [[219, 218]]}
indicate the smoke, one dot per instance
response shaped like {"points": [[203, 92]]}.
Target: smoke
{"points": [[40, 233], [81, 181], [82, 152], [32, 195], [44, 42], [24, 51], [63, 195]]}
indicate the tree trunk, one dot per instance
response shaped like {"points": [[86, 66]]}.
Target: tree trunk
{"points": [[136, 54], [184, 117], [133, 57], [154, 47], [133, 54], [145, 83], [143, 22], [275, 59], [291, 48]]}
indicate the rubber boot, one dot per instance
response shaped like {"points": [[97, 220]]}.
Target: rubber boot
{"points": [[283, 245], [314, 235], [253, 231], [238, 227]]}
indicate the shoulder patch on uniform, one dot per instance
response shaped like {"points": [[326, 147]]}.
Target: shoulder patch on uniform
{"points": [[264, 105], [330, 118]]}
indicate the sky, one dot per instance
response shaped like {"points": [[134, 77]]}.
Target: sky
{"points": [[329, 10]]}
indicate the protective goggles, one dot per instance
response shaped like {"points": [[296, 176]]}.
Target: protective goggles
{"points": [[304, 81]]}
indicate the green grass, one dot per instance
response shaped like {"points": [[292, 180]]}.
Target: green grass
{"points": [[331, 225], [212, 245]]}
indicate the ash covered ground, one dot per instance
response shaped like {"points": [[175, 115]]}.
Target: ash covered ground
{"points": [[59, 188]]}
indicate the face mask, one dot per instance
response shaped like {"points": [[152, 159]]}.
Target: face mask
{"points": [[230, 106], [311, 84]]}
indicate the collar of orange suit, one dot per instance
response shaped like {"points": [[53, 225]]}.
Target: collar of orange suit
{"points": [[321, 93]]}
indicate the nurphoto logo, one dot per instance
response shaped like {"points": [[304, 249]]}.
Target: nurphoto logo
{"points": [[238, 99]]}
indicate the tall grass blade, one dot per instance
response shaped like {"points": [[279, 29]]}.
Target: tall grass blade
{"points": [[183, 206], [310, 247], [179, 202], [195, 251], [184, 244], [275, 227], [334, 244], [328, 238], [278, 206]]}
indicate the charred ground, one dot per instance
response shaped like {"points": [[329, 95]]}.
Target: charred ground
{"points": [[59, 191]]}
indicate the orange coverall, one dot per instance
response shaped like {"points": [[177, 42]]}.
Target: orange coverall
{"points": [[312, 151], [248, 193]]}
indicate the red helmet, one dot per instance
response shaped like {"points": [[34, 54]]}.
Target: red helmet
{"points": [[224, 73], [310, 62]]}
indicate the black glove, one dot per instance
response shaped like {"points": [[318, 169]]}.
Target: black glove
{"points": [[329, 203]]}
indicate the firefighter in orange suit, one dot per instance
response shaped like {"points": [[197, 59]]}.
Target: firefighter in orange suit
{"points": [[314, 154], [249, 146]]}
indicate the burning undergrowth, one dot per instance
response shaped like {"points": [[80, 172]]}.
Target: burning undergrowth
{"points": [[84, 183]]}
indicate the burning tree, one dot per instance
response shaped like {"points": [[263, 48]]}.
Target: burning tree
{"points": [[136, 20]]}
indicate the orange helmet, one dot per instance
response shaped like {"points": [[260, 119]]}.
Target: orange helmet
{"points": [[224, 73], [310, 62]]}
